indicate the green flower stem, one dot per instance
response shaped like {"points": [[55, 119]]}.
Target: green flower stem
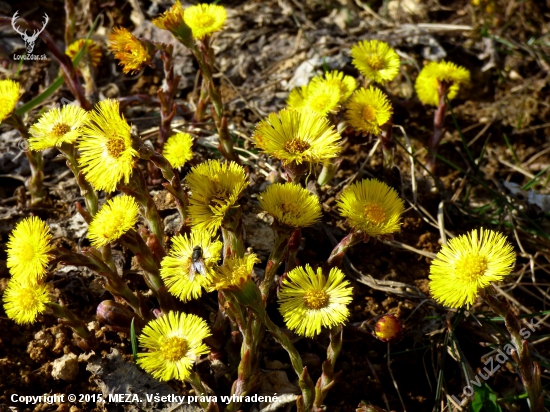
{"points": [[93, 260], [200, 112], [151, 272], [529, 371], [86, 189], [337, 255], [168, 108], [304, 381], [232, 233], [35, 182], [205, 57], [173, 186], [439, 125], [138, 190], [195, 381], [66, 317], [277, 256], [328, 377], [328, 171], [293, 245]]}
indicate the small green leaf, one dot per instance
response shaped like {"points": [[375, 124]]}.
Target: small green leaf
{"points": [[133, 340], [485, 400]]}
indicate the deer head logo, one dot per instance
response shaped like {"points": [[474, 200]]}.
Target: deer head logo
{"points": [[29, 40]]}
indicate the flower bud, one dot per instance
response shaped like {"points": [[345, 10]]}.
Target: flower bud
{"points": [[388, 328], [118, 317]]}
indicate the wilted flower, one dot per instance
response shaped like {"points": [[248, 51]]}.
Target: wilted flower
{"points": [[177, 149], [469, 263], [372, 207], [106, 153], [291, 205], [376, 60], [189, 266], [9, 92], [133, 53], [92, 52], [28, 247], [433, 74], [368, 109], [174, 341], [56, 127], [116, 217], [24, 301]]}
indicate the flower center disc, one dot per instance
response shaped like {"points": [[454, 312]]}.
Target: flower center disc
{"points": [[204, 20], [60, 129], [368, 114], [375, 62], [295, 146], [115, 147], [374, 212], [174, 348], [471, 266], [316, 299]]}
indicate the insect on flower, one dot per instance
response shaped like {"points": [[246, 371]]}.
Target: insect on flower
{"points": [[197, 265]]}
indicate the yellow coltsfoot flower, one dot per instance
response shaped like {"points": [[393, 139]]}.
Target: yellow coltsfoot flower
{"points": [[189, 266], [10, 92], [322, 97], [469, 263], [346, 84], [433, 74], [106, 152], [376, 60], [234, 272], [24, 301], [205, 19], [291, 205], [56, 127], [174, 341], [28, 247], [177, 149], [296, 97], [115, 218], [133, 53], [371, 207], [215, 187], [368, 109], [309, 301], [297, 136], [92, 52]]}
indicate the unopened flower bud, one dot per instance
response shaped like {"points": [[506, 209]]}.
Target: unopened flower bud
{"points": [[388, 328], [117, 316]]}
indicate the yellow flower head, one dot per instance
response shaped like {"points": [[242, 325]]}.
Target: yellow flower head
{"points": [[296, 97], [428, 81], [170, 18], [56, 127], [28, 247], [133, 53], [372, 207], [174, 341], [92, 53], [368, 109], [297, 136], [234, 273], [469, 263], [205, 19], [388, 328], [309, 301], [106, 153], [9, 93], [189, 266], [322, 97], [177, 149], [291, 205], [116, 217], [346, 84], [376, 60], [24, 301], [215, 187]]}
